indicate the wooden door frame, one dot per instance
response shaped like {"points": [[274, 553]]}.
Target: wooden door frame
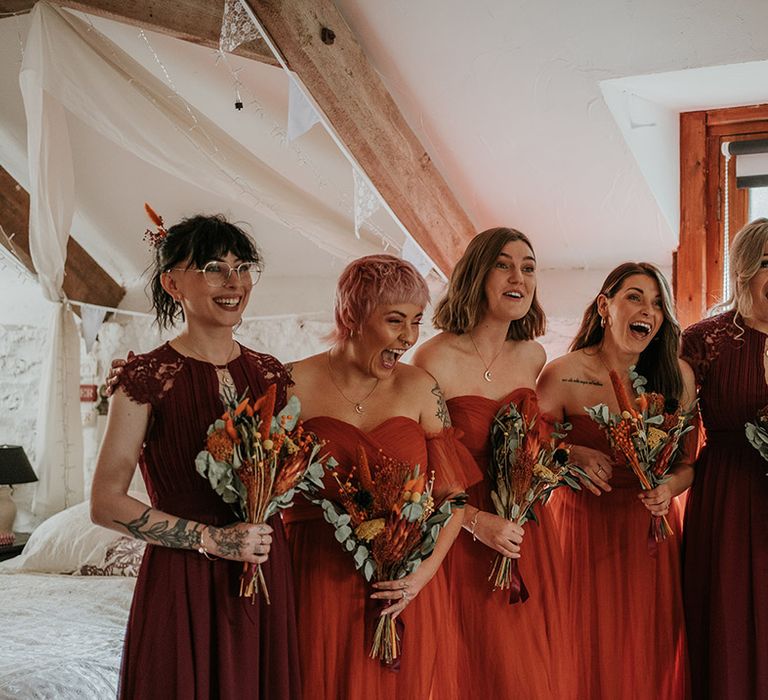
{"points": [[698, 261]]}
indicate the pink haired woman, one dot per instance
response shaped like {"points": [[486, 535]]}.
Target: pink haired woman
{"points": [[360, 394]]}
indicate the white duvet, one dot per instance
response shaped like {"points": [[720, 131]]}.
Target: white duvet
{"points": [[61, 636]]}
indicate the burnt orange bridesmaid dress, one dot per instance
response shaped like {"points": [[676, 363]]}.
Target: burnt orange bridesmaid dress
{"points": [[524, 650], [332, 597], [627, 604]]}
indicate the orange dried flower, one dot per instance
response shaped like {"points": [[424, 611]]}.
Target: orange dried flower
{"points": [[220, 445], [621, 394]]}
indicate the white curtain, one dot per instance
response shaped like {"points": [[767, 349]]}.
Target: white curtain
{"points": [[59, 443]]}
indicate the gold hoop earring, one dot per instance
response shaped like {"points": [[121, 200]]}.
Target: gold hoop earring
{"points": [[602, 322]]}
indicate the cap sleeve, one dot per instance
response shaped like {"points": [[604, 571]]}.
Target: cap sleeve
{"points": [[147, 378]]}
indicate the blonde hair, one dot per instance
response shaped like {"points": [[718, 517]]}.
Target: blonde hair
{"points": [[464, 304], [745, 255]]}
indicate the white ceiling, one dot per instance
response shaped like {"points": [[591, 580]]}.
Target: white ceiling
{"points": [[505, 95]]}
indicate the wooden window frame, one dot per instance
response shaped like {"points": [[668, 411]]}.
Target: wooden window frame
{"points": [[698, 262]]}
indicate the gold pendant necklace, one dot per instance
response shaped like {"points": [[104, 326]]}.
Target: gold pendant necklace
{"points": [[226, 382], [358, 405], [487, 373]]}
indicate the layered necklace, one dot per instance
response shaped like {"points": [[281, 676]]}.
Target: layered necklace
{"points": [[487, 374], [358, 405], [222, 371]]}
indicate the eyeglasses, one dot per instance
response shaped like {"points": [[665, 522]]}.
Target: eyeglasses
{"points": [[217, 274]]}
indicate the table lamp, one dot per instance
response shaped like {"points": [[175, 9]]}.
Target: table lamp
{"points": [[14, 469]]}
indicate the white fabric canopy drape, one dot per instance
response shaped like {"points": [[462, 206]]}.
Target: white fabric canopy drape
{"points": [[59, 441], [109, 91]]}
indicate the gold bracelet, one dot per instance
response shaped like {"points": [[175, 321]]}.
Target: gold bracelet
{"points": [[202, 548], [473, 525]]}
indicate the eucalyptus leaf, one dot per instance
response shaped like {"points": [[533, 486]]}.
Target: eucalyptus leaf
{"points": [[342, 533], [368, 570]]}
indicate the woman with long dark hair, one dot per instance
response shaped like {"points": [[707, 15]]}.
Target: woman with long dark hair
{"points": [[726, 520], [189, 633], [626, 601], [486, 357]]}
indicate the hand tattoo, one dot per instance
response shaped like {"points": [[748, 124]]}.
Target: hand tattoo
{"points": [[442, 407], [162, 532], [229, 540]]}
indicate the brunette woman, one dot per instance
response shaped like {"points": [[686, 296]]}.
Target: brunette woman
{"points": [[486, 357], [626, 600]]}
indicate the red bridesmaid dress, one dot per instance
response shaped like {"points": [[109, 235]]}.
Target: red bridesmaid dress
{"points": [[190, 634], [626, 604], [333, 598], [726, 526], [525, 650]]}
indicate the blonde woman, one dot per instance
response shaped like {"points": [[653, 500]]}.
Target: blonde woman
{"points": [[726, 535]]}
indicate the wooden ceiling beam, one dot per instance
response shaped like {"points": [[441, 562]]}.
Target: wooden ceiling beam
{"points": [[84, 279], [316, 43], [197, 21]]}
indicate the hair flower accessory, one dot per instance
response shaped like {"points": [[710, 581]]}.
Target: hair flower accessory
{"points": [[154, 238]]}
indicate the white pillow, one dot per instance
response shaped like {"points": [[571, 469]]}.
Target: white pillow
{"points": [[68, 543]]}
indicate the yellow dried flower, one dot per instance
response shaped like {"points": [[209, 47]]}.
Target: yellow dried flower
{"points": [[369, 529], [655, 436], [545, 474], [268, 445], [415, 497], [429, 508]]}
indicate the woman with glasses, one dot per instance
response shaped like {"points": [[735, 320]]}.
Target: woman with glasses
{"points": [[190, 635]]}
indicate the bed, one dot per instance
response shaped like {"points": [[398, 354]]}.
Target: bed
{"points": [[65, 604]]}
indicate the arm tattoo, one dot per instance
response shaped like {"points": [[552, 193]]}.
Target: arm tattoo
{"points": [[442, 407], [162, 532], [230, 541], [591, 382]]}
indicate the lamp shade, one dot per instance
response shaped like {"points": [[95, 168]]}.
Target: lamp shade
{"points": [[14, 466]]}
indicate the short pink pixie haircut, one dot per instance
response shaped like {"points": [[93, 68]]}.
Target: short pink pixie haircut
{"points": [[370, 281]]}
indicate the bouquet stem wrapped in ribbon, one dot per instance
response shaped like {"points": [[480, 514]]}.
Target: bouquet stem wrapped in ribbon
{"points": [[527, 464], [257, 461], [757, 433], [646, 436], [386, 517]]}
